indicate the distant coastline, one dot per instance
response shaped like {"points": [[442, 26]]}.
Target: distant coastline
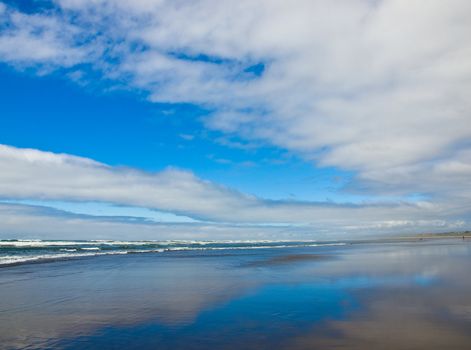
{"points": [[415, 237], [454, 234]]}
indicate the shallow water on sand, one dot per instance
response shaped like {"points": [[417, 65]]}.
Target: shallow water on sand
{"points": [[410, 295]]}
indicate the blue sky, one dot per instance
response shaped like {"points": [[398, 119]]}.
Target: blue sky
{"points": [[214, 114], [122, 128]]}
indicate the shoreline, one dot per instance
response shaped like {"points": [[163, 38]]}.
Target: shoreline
{"points": [[384, 240], [293, 299]]}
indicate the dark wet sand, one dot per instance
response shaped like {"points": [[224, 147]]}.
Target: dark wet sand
{"points": [[287, 259], [401, 295]]}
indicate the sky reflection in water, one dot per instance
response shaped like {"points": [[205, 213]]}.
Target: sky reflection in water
{"points": [[402, 295]]}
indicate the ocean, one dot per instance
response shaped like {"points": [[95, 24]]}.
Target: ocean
{"points": [[14, 251]]}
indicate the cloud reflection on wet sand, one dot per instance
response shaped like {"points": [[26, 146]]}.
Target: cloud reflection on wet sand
{"points": [[366, 296]]}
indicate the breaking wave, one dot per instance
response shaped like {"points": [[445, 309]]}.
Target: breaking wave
{"points": [[14, 252]]}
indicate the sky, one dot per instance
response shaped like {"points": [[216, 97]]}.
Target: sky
{"points": [[237, 119]]}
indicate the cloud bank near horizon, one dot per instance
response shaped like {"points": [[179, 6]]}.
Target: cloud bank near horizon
{"points": [[46, 176]]}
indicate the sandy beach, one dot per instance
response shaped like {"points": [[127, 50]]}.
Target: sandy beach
{"points": [[401, 295]]}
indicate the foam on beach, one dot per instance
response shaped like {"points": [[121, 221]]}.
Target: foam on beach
{"points": [[14, 252]]}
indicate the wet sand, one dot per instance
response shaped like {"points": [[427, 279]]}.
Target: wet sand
{"points": [[401, 295], [287, 259]]}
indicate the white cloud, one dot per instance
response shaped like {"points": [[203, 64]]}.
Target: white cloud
{"points": [[24, 221], [27, 40], [377, 87], [362, 85], [38, 222], [28, 173], [33, 174]]}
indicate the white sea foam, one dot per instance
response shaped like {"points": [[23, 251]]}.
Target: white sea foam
{"points": [[39, 243], [28, 252], [45, 243], [17, 259]]}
